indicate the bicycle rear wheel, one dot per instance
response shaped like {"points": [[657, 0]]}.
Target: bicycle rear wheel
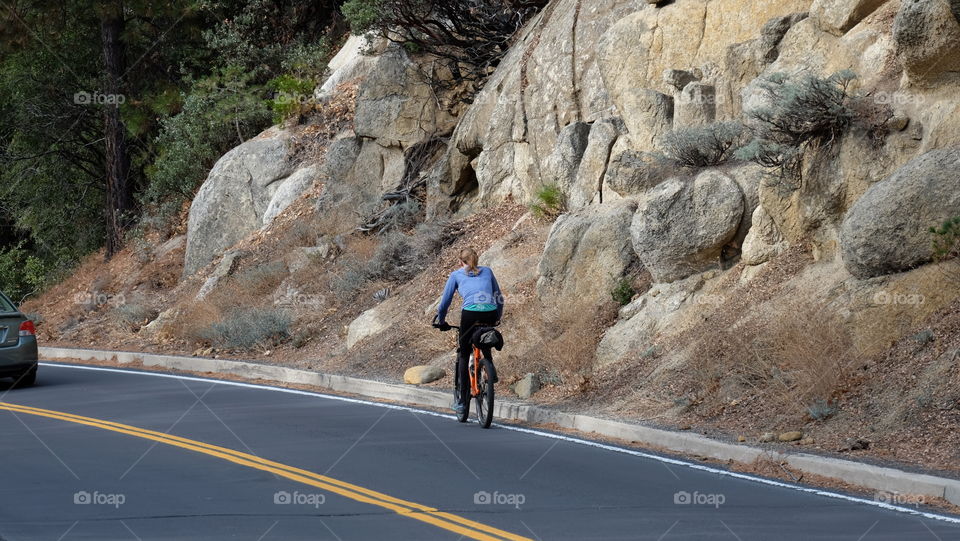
{"points": [[485, 396]]}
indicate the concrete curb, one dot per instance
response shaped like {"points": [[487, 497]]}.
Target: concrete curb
{"points": [[882, 479]]}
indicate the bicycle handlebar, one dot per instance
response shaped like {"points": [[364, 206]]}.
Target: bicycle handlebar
{"points": [[446, 327]]}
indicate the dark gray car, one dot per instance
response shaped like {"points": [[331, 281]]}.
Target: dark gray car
{"points": [[18, 345]]}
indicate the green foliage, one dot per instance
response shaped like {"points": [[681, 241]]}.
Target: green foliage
{"points": [[293, 97], [196, 83], [21, 274], [245, 328], [704, 146], [946, 240], [362, 15], [268, 57], [623, 293], [220, 111], [550, 202], [800, 111]]}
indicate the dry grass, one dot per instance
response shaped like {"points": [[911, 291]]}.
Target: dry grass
{"points": [[326, 120], [804, 355]]}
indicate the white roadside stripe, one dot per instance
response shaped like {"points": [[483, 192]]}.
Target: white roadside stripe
{"points": [[598, 445]]}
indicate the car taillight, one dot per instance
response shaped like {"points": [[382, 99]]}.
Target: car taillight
{"points": [[27, 328]]}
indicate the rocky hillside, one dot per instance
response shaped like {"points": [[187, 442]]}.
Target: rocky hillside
{"points": [[702, 215]]}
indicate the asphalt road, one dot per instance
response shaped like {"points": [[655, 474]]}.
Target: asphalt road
{"points": [[103, 455]]}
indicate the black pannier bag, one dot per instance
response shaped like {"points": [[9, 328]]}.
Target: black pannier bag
{"points": [[487, 338]]}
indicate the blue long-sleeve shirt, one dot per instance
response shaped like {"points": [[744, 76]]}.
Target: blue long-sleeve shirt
{"points": [[480, 292]]}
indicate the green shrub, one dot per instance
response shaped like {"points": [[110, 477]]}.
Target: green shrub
{"points": [[704, 146], [219, 112], [801, 110], [21, 274], [293, 97], [821, 410], [623, 293], [946, 240], [395, 259], [550, 202], [245, 328]]}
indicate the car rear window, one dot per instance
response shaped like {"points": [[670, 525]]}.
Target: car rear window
{"points": [[6, 305]]}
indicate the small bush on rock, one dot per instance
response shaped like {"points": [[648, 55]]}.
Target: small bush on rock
{"points": [[801, 110], [395, 259], [467, 37], [704, 146], [946, 240], [551, 202], [623, 293]]}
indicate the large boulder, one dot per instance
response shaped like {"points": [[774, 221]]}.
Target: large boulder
{"points": [[561, 165], [640, 320], [632, 172], [695, 105], [763, 241], [927, 36], [548, 80], [419, 375], [588, 183], [682, 225], [587, 252], [396, 105], [233, 200], [352, 62], [838, 16], [744, 62], [295, 185], [649, 114], [581, 62], [887, 230]]}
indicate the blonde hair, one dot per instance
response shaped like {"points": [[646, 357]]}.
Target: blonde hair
{"points": [[469, 258]]}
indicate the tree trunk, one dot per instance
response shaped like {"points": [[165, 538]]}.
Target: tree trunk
{"points": [[119, 200]]}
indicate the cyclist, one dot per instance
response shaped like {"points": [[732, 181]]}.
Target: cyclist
{"points": [[482, 305]]}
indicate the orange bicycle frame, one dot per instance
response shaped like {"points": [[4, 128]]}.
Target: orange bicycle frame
{"points": [[475, 375]]}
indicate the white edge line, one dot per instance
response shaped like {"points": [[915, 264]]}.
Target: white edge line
{"points": [[667, 460]]}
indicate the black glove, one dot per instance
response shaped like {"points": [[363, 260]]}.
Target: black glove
{"points": [[442, 325]]}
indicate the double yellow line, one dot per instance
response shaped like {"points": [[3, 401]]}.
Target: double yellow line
{"points": [[448, 521]]}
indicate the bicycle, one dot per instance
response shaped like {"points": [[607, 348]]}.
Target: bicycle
{"points": [[482, 375]]}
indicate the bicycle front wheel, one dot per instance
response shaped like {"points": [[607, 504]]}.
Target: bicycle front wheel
{"points": [[485, 396]]}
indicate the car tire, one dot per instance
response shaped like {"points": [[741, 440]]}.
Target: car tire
{"points": [[27, 379]]}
